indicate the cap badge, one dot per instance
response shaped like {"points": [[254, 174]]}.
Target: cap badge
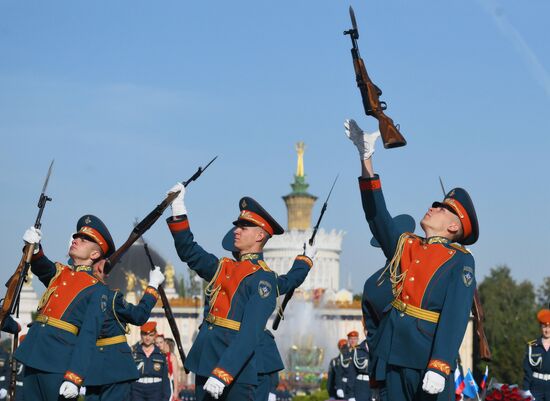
{"points": [[243, 204], [87, 220]]}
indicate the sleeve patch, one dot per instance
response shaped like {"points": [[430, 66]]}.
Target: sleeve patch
{"points": [[440, 366], [264, 288], [468, 276], [222, 375]]}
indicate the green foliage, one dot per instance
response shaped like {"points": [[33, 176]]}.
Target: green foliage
{"points": [[510, 321], [543, 294], [320, 395]]}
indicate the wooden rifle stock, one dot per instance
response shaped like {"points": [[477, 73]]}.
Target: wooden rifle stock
{"points": [[370, 94], [479, 316]]}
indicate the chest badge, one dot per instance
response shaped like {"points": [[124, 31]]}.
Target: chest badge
{"points": [[264, 288], [156, 367], [468, 276]]}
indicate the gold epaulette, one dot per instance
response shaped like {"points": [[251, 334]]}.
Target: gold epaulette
{"points": [[264, 265], [459, 247]]}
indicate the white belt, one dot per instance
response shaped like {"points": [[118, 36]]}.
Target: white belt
{"points": [[2, 378], [541, 376], [345, 379], [149, 380], [18, 383], [363, 377]]}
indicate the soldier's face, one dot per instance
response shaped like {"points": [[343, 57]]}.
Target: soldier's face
{"points": [[545, 329], [247, 237], [440, 220], [148, 339], [83, 249], [352, 341]]}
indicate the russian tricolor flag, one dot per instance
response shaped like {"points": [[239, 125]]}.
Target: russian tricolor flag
{"points": [[459, 382], [484, 380]]}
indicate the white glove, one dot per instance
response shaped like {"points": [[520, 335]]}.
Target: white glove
{"points": [[3, 393], [156, 278], [272, 397], [527, 393], [310, 250], [433, 383], [363, 141], [32, 236], [68, 390], [178, 207], [214, 387], [340, 393], [82, 390], [375, 394], [351, 399]]}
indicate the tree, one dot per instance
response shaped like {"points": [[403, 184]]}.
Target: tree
{"points": [[543, 293], [510, 322]]}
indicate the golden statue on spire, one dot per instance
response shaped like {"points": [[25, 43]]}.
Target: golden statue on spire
{"points": [[300, 147]]}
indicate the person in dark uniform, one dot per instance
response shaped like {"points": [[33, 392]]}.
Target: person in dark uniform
{"points": [[61, 341], [113, 368], [20, 373], [344, 373], [536, 364], [333, 366], [433, 285], [377, 296], [153, 384], [4, 373], [242, 295], [358, 384]]}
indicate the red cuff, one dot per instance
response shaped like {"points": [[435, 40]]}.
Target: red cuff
{"points": [[152, 291], [440, 366], [305, 259], [73, 377], [38, 255], [180, 224], [222, 375], [369, 184]]}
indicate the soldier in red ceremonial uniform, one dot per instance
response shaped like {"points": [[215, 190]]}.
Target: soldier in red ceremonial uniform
{"points": [[433, 286], [241, 294], [62, 339]]}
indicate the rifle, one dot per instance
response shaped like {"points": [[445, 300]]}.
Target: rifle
{"points": [[149, 220], [370, 93], [479, 315], [10, 303], [289, 294], [13, 368], [167, 310], [15, 283]]}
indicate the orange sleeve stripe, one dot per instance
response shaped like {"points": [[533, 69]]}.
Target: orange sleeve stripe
{"points": [[440, 365], [152, 291], [176, 226], [370, 185], [305, 259], [73, 377], [222, 375]]}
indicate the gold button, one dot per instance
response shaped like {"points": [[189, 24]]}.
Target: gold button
{"points": [[56, 295], [49, 310], [94, 281], [64, 283], [411, 279], [406, 297], [254, 268], [101, 348], [227, 276], [222, 292], [401, 314], [209, 327], [451, 252], [425, 247], [43, 325], [72, 273], [215, 309], [410, 241], [417, 261]]}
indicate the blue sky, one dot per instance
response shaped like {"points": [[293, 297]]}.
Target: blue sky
{"points": [[131, 96]]}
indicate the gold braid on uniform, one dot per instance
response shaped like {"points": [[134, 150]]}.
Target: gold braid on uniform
{"points": [[210, 291], [123, 326], [396, 278]]}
